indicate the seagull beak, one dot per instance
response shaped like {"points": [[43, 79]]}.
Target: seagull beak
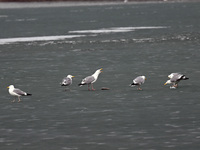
{"points": [[145, 78], [73, 76], [165, 83], [8, 87], [101, 69]]}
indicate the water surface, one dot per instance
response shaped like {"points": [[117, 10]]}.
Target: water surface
{"points": [[40, 46]]}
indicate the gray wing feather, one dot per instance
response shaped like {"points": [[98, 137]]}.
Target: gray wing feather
{"points": [[19, 92], [139, 80], [88, 79], [67, 81], [176, 77], [175, 74]]}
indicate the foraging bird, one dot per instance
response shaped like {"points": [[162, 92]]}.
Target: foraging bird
{"points": [[138, 81], [174, 79], [67, 81], [91, 79], [17, 92]]}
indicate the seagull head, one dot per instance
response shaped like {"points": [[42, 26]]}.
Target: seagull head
{"points": [[144, 77], [168, 82], [99, 71], [10, 87], [70, 76]]}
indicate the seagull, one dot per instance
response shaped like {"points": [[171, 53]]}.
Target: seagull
{"points": [[174, 79], [91, 79], [17, 92], [67, 81], [138, 81]]}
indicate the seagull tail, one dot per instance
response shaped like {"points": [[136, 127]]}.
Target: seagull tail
{"points": [[185, 78], [28, 94], [80, 84], [132, 84]]}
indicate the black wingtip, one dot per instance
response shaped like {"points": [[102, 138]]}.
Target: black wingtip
{"points": [[29, 94], [132, 84], [185, 78]]}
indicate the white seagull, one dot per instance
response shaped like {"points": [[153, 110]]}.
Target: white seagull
{"points": [[67, 81], [138, 81], [174, 79], [91, 79], [17, 92]]}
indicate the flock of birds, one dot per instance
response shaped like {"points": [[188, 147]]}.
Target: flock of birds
{"points": [[174, 79]]}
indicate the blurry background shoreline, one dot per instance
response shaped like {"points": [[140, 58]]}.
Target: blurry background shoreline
{"points": [[9, 4]]}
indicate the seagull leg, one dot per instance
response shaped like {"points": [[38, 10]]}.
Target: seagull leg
{"points": [[139, 88], [13, 101], [92, 87], [88, 87], [173, 86], [176, 85], [19, 100]]}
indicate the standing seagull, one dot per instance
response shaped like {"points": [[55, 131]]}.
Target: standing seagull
{"points": [[91, 79], [174, 79], [17, 92], [138, 81], [67, 81]]}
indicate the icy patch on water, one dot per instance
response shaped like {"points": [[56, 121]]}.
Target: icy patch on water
{"points": [[17, 5], [3, 16], [39, 38], [100, 31], [82, 32], [21, 20], [117, 29]]}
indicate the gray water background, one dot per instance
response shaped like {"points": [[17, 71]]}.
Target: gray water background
{"points": [[156, 118]]}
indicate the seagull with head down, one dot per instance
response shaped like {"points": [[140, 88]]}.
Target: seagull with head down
{"points": [[17, 92], [89, 80], [67, 81], [138, 81], [174, 79]]}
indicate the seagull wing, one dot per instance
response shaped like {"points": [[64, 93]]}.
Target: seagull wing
{"points": [[19, 92], [67, 81], [138, 80], [88, 80]]}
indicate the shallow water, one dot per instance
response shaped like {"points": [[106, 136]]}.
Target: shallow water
{"points": [[39, 46]]}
